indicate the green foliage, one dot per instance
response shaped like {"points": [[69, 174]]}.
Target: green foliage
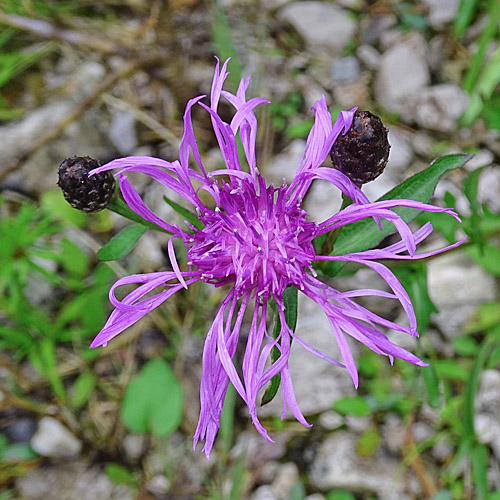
{"points": [[120, 475], [290, 301], [122, 243], [153, 400], [353, 405], [365, 234]]}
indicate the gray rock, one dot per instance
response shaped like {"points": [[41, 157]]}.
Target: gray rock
{"points": [[287, 476], [482, 158], [80, 138], [457, 286], [158, 485], [441, 11], [54, 440], [368, 55], [122, 132], [345, 70], [489, 187], [317, 384], [440, 106], [322, 25], [265, 492], [284, 166], [402, 74], [70, 481], [338, 466]]}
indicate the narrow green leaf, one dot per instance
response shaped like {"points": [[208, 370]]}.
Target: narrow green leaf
{"points": [[290, 300], [365, 234], [224, 45], [479, 464], [432, 385], [189, 216], [472, 386], [226, 431], [153, 401], [122, 243], [118, 205], [83, 388], [465, 15]]}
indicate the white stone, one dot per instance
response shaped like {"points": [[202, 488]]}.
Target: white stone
{"points": [[402, 73], [122, 131], [317, 383], [287, 476], [322, 25], [440, 106], [265, 492], [54, 440], [457, 286], [441, 11], [337, 465], [489, 188], [368, 55]]}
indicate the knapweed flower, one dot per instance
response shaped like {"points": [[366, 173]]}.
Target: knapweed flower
{"points": [[257, 240]]}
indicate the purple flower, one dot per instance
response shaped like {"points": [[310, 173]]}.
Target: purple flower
{"points": [[258, 240]]}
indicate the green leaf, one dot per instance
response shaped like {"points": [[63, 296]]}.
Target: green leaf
{"points": [[479, 463], [73, 259], [432, 385], [339, 495], [290, 300], [353, 405], [120, 475], [365, 234], [153, 401], [414, 279], [122, 243], [368, 443], [487, 256], [442, 495], [465, 346], [187, 214], [118, 205], [224, 46], [465, 15], [487, 316], [450, 370], [55, 204], [84, 386]]}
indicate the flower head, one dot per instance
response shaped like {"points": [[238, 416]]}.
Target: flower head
{"points": [[258, 240]]}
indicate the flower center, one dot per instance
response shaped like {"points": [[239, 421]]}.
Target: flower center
{"points": [[255, 240]]}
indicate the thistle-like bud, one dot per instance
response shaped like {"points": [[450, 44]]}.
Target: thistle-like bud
{"points": [[362, 153], [88, 194]]}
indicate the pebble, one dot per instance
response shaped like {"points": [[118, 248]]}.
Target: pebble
{"points": [[317, 383], [21, 429], [264, 492], [402, 73], [337, 465], [440, 106], [489, 187], [287, 476], [457, 286], [441, 12], [122, 132], [368, 55], [54, 440], [68, 481], [345, 70], [321, 25]]}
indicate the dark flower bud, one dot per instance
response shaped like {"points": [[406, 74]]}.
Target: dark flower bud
{"points": [[362, 153], [88, 194]]}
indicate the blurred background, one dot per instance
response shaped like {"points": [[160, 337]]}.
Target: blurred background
{"points": [[111, 78]]}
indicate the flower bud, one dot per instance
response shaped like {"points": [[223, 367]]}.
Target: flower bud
{"points": [[88, 194], [363, 151]]}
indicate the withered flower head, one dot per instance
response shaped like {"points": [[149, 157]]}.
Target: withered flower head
{"points": [[88, 194], [363, 151]]}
